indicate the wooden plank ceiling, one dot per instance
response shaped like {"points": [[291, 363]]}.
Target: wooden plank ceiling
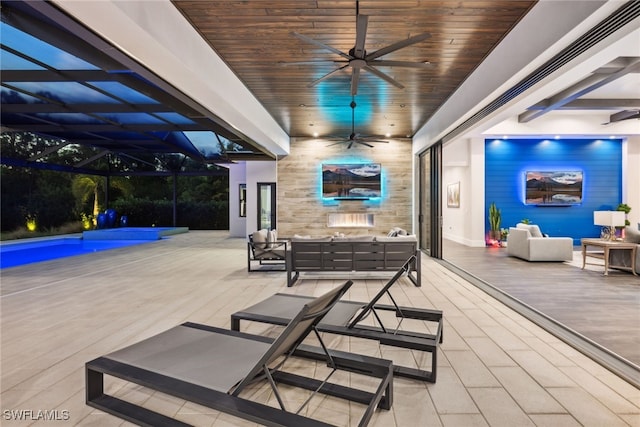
{"points": [[255, 39]]}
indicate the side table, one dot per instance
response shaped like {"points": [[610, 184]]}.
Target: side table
{"points": [[608, 246]]}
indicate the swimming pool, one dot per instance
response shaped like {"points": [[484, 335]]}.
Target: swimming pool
{"points": [[15, 254]]}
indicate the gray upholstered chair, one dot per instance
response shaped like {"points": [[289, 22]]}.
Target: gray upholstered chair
{"points": [[527, 242], [623, 258], [264, 248]]}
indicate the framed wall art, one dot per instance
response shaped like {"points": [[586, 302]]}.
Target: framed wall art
{"points": [[453, 195]]}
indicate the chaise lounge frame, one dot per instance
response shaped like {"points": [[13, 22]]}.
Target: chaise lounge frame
{"points": [[151, 364], [345, 317]]}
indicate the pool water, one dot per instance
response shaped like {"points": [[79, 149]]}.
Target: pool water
{"points": [[15, 254]]}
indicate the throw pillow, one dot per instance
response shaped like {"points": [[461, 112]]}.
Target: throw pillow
{"points": [[534, 230], [259, 241], [272, 238], [260, 236]]}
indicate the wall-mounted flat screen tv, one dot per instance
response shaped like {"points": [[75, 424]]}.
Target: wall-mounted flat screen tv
{"points": [[351, 181], [553, 188]]}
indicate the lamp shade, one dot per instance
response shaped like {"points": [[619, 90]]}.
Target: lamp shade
{"points": [[609, 218]]}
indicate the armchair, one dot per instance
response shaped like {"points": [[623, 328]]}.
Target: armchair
{"points": [[264, 248], [527, 242]]}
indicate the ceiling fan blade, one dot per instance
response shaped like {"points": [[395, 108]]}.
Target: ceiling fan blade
{"points": [[383, 63], [366, 139], [320, 44], [398, 45], [320, 62], [350, 144], [383, 76], [336, 143], [326, 76], [361, 34], [355, 77], [359, 141]]}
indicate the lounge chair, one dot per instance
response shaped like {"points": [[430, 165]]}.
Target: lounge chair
{"points": [[346, 316], [212, 366]]}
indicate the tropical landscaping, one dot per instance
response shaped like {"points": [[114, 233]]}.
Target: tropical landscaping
{"points": [[45, 196]]}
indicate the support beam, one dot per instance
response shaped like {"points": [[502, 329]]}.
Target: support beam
{"points": [[49, 166], [91, 159], [47, 151], [592, 104], [624, 115], [589, 84]]}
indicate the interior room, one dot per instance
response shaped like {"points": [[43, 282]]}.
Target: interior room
{"points": [[472, 114]]}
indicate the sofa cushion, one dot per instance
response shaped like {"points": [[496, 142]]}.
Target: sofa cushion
{"points": [[407, 238], [299, 238], [360, 238]]}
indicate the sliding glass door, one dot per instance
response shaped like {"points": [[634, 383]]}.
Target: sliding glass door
{"points": [[430, 211], [266, 205]]}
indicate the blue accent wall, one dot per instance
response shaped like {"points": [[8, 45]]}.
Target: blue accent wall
{"points": [[506, 162]]}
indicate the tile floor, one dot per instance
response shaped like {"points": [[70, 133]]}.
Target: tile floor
{"points": [[495, 367]]}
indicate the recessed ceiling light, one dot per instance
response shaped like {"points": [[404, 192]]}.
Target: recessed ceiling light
{"points": [[302, 105], [315, 134], [388, 134]]}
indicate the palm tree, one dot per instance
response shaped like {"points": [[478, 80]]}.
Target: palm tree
{"points": [[86, 186]]}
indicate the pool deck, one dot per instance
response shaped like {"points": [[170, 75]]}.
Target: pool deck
{"points": [[133, 233], [495, 368]]}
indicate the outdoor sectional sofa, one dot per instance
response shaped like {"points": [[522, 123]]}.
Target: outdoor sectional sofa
{"points": [[352, 254]]}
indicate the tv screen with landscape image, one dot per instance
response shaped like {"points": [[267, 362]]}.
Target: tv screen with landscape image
{"points": [[553, 188], [351, 181]]}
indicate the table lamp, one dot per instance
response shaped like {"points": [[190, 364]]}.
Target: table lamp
{"points": [[609, 220]]}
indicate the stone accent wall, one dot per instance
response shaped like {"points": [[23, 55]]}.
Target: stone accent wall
{"points": [[301, 209]]}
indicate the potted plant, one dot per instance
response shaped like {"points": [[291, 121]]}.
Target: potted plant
{"points": [[504, 233], [495, 217], [626, 209]]}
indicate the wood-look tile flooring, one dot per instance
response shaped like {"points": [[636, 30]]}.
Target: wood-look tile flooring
{"points": [[606, 309], [495, 368]]}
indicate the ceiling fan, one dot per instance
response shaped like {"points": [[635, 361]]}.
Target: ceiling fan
{"points": [[358, 58], [355, 138]]}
